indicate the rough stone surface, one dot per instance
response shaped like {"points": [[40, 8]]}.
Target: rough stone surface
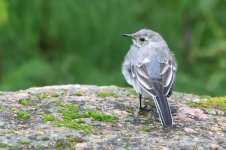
{"points": [[193, 129]]}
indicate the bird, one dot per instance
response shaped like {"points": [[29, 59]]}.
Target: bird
{"points": [[150, 67]]}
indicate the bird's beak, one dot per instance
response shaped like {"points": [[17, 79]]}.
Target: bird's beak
{"points": [[128, 35]]}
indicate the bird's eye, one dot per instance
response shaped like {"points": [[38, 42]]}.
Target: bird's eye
{"points": [[142, 39]]}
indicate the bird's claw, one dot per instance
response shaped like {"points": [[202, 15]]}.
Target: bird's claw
{"points": [[142, 109]]}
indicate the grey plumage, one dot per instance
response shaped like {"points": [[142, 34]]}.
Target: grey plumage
{"points": [[150, 68]]}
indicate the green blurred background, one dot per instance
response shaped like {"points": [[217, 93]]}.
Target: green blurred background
{"points": [[48, 42]]}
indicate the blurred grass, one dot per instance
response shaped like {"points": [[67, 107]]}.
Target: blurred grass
{"points": [[45, 42]]}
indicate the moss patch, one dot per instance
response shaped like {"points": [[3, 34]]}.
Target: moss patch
{"points": [[106, 94], [24, 142], [150, 103], [72, 118], [2, 145], [47, 94], [102, 117], [211, 102], [2, 108], [71, 107], [24, 102], [22, 115], [74, 124], [49, 117], [38, 148], [59, 103], [55, 95], [45, 138], [70, 142], [67, 106], [42, 96], [7, 132], [69, 115], [132, 91], [78, 94], [146, 129], [130, 110]]}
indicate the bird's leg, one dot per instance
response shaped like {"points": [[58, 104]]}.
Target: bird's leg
{"points": [[140, 98], [142, 108]]}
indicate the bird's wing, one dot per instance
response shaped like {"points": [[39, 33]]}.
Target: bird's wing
{"points": [[141, 74], [167, 75]]}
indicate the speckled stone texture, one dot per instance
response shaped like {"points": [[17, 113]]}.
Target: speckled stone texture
{"points": [[193, 128]]}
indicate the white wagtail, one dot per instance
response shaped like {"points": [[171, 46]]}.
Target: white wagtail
{"points": [[150, 68]]}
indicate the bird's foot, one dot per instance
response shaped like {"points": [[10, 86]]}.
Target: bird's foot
{"points": [[142, 109]]}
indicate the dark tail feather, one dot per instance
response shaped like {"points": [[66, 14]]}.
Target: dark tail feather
{"points": [[163, 109]]}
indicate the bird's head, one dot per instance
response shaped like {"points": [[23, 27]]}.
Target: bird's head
{"points": [[144, 37]]}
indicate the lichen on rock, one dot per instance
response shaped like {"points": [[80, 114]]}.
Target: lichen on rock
{"points": [[106, 117]]}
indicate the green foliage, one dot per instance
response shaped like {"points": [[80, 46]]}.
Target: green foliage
{"points": [[3, 12], [22, 76], [82, 44], [211, 102], [22, 115]]}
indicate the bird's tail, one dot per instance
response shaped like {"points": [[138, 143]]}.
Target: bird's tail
{"points": [[163, 109]]}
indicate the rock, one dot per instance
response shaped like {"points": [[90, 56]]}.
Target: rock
{"points": [[193, 113], [189, 130], [214, 147], [91, 117]]}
